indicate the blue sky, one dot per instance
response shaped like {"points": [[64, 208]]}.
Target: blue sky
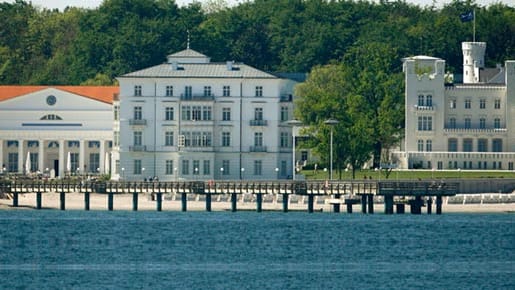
{"points": [[61, 4]]}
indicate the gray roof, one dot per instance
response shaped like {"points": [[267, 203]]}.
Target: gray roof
{"points": [[200, 70], [187, 53]]}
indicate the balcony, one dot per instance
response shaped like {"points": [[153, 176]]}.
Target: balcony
{"points": [[138, 148], [258, 123], [424, 108], [257, 148], [138, 122], [476, 130], [197, 97]]}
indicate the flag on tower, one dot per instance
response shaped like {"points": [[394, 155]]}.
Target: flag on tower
{"points": [[467, 16]]}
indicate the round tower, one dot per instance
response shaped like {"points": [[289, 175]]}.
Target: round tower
{"points": [[473, 60]]}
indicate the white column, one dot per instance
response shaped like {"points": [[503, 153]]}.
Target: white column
{"points": [[102, 161], [82, 153], [2, 155], [61, 158], [21, 156], [41, 156]]}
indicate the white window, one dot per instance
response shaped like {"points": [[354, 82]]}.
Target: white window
{"points": [[207, 91], [138, 113], [453, 145], [137, 90], [169, 114], [226, 167], [482, 123], [467, 145], [425, 123], [482, 104], [420, 145], [452, 104], [137, 166], [169, 167], [285, 137], [258, 114], [284, 114], [169, 138], [468, 103], [187, 92], [196, 113], [429, 145], [467, 123], [420, 100], [185, 167], [258, 167], [226, 139], [482, 145], [258, 139], [138, 138], [497, 104], [207, 167], [206, 113], [186, 113], [226, 114], [169, 91], [497, 123], [429, 100], [226, 91], [259, 91]]}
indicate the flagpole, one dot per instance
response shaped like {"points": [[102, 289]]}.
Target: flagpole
{"points": [[474, 18]]}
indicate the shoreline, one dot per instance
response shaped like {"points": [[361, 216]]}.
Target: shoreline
{"points": [[123, 202]]}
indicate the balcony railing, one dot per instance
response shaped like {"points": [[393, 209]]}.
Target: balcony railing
{"points": [[197, 97], [138, 122], [475, 130], [257, 148], [138, 148], [258, 123]]}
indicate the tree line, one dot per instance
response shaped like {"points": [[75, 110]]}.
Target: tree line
{"points": [[352, 50]]}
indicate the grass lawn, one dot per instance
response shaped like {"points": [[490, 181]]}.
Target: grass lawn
{"points": [[408, 174]]}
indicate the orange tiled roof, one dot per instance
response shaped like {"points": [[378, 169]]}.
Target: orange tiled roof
{"points": [[104, 94]]}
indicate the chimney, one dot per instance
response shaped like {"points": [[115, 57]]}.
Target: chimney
{"points": [[229, 65]]}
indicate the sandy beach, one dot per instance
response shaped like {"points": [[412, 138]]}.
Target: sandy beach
{"points": [[172, 202]]}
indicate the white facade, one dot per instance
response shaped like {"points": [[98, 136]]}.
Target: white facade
{"points": [[467, 125], [60, 130], [191, 119]]}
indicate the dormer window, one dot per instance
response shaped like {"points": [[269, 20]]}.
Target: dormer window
{"points": [[51, 117]]}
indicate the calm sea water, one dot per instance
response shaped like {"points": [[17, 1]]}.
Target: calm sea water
{"points": [[223, 250]]}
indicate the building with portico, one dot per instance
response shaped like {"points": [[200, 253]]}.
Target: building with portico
{"points": [[57, 130]]}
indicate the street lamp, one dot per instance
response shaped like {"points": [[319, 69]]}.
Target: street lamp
{"points": [[277, 173], [331, 123], [242, 171], [123, 173], [293, 123]]}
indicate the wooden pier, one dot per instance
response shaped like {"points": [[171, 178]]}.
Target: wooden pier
{"points": [[397, 194]]}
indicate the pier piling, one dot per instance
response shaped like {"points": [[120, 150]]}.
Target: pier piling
{"points": [[400, 207], [285, 202], [438, 204], [38, 200], [234, 199], [15, 199], [135, 201], [86, 200], [364, 203], [184, 201], [336, 205], [208, 201], [62, 199], [159, 201], [259, 202], [311, 200], [429, 205], [370, 203], [110, 201], [388, 204]]}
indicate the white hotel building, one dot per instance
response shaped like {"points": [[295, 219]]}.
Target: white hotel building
{"points": [[192, 119], [469, 125]]}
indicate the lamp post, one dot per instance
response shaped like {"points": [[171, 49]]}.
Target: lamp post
{"points": [[331, 123], [242, 171], [123, 173], [293, 123]]}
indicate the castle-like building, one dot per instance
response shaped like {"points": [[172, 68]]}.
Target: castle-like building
{"points": [[458, 125], [194, 119]]}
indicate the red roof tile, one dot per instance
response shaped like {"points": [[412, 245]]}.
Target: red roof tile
{"points": [[104, 94]]}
